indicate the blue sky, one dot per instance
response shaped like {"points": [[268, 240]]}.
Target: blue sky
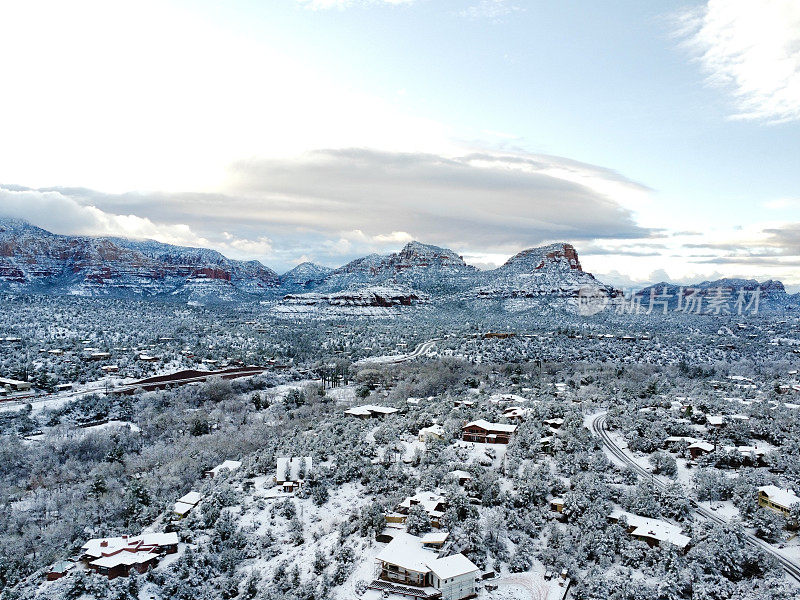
{"points": [[662, 139]]}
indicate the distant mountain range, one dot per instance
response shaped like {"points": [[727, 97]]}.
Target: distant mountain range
{"points": [[33, 260]]}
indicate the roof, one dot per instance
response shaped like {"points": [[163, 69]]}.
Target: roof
{"points": [[452, 566], [435, 537], [95, 548], [705, 446], [653, 528], [369, 409], [406, 551], [715, 419], [784, 497], [428, 500], [230, 465], [499, 427], [461, 474], [190, 498], [124, 558], [182, 508], [433, 429]]}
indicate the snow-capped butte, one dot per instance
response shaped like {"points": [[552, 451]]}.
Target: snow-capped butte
{"points": [[306, 275]]}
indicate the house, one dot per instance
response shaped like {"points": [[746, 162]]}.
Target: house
{"points": [[407, 568], [680, 441], [434, 432], [715, 421], [290, 471], [228, 465], [370, 410], [185, 504], [516, 413], [99, 356], [109, 368], [557, 504], [434, 505], [752, 455], [58, 570], [115, 557], [434, 540], [15, 384], [699, 449], [652, 531], [553, 424], [147, 358], [484, 432], [777, 499]]}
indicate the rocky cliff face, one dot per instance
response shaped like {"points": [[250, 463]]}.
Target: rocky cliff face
{"points": [[553, 270], [422, 266], [32, 259]]}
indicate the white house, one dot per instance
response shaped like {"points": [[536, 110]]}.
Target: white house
{"points": [[228, 465], [185, 504], [652, 531], [434, 432], [406, 561]]}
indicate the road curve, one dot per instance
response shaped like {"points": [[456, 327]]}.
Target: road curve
{"points": [[421, 349], [598, 426]]}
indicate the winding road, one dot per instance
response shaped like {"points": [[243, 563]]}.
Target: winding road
{"points": [[421, 349], [598, 426]]}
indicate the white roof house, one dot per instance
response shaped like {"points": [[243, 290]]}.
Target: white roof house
{"points": [[652, 529], [780, 497], [228, 465], [99, 547], [186, 503], [484, 424], [370, 410], [715, 420], [406, 559], [432, 432], [14, 384]]}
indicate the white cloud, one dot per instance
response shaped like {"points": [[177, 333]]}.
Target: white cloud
{"points": [[59, 213], [753, 50], [146, 96], [396, 237]]}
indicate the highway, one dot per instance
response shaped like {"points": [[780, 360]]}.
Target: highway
{"points": [[598, 427]]}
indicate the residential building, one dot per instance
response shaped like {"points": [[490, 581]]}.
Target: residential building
{"points": [[777, 499], [484, 432], [434, 505], [185, 504], [117, 556], [652, 531], [228, 465], [406, 562]]}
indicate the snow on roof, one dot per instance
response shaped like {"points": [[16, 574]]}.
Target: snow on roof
{"points": [[124, 558], [428, 500], [705, 446], [433, 429], [483, 424], [435, 537], [653, 528], [190, 498], [784, 497], [680, 438], [452, 566], [182, 508], [291, 468], [230, 465], [715, 419], [461, 474], [95, 547], [369, 409], [406, 551]]}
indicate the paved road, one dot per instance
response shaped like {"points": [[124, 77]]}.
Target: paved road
{"points": [[400, 358], [598, 426]]}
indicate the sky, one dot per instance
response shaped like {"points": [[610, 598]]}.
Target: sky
{"points": [[662, 139]]}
